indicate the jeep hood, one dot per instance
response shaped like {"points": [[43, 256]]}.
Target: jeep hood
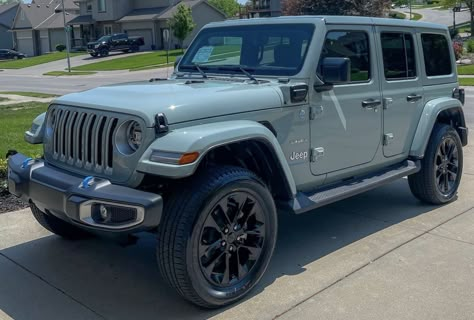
{"points": [[180, 101]]}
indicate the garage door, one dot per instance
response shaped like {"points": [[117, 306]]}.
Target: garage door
{"points": [[24, 43], [146, 34]]}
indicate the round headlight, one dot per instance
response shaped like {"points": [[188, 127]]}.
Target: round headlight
{"points": [[135, 137], [129, 137]]}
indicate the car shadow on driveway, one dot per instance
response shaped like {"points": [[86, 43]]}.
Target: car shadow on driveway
{"points": [[123, 282]]}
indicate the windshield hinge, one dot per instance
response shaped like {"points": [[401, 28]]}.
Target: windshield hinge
{"points": [[315, 112]]}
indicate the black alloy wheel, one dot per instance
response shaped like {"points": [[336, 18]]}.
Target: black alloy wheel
{"points": [[232, 239]]}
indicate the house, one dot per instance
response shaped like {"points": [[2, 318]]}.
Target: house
{"points": [[7, 15], [39, 26], [263, 8], [146, 18]]}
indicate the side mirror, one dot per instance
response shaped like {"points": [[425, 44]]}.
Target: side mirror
{"points": [[176, 62], [334, 71]]}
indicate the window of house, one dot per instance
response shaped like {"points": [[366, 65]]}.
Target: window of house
{"points": [[89, 6], [107, 29], [102, 7], [437, 54], [353, 45], [398, 56]]}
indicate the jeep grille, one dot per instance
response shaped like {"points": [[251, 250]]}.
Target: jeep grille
{"points": [[82, 139]]}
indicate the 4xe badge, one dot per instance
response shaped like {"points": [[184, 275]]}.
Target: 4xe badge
{"points": [[295, 156]]}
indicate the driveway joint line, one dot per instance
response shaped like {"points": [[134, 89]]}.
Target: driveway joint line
{"points": [[452, 239], [51, 285], [370, 262]]}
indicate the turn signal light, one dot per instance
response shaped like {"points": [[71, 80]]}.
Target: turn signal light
{"points": [[188, 158]]}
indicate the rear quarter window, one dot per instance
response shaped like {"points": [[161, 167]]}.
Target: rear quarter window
{"points": [[437, 54]]}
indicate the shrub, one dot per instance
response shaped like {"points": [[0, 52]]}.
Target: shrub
{"points": [[60, 47], [458, 49], [470, 46]]}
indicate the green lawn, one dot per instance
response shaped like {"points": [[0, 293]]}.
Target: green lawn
{"points": [[466, 70], [141, 61], [30, 94], [416, 16], [15, 120], [466, 81], [464, 27], [33, 61], [397, 15], [65, 73]]}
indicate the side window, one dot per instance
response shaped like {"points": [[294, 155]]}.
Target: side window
{"points": [[353, 45], [437, 54], [398, 56]]}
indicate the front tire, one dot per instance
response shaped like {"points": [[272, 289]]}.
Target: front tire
{"points": [[217, 236], [94, 55], [441, 168], [104, 52], [57, 226]]}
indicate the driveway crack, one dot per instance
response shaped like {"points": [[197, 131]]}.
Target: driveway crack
{"points": [[52, 285]]}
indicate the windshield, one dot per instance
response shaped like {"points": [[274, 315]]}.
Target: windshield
{"points": [[278, 49], [104, 38]]}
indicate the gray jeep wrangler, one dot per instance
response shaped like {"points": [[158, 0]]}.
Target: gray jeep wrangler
{"points": [[288, 113]]}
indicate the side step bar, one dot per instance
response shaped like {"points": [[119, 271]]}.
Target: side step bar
{"points": [[306, 201]]}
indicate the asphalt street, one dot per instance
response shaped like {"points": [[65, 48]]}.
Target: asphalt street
{"points": [[444, 17]]}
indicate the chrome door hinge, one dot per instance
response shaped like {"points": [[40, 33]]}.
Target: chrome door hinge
{"points": [[387, 102], [387, 139], [316, 154], [315, 112]]}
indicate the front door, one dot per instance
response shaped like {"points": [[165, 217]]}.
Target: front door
{"points": [[347, 126], [401, 86]]}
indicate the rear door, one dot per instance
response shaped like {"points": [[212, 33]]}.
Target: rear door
{"points": [[402, 87]]}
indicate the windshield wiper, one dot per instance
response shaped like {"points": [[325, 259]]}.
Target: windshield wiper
{"points": [[240, 68], [195, 67]]}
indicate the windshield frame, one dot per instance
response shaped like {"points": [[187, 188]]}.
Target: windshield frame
{"points": [[257, 70]]}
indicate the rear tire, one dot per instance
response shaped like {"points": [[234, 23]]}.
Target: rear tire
{"points": [[134, 48], [441, 168], [217, 236], [57, 226]]}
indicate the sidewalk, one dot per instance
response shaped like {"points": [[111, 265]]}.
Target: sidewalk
{"points": [[13, 99]]}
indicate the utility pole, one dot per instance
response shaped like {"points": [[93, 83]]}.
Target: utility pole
{"points": [[66, 30], [410, 8]]}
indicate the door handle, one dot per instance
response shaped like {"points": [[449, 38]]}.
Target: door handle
{"points": [[414, 97], [371, 104]]}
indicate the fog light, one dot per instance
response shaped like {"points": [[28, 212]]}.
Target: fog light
{"points": [[104, 213]]}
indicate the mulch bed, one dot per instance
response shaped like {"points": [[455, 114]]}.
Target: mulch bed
{"points": [[9, 202]]}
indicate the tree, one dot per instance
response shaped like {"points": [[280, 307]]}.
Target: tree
{"points": [[182, 23], [373, 8], [229, 7]]}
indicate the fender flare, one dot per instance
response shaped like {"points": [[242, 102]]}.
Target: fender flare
{"points": [[205, 137], [428, 118]]}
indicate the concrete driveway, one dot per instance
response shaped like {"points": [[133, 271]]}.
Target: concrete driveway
{"points": [[379, 255]]}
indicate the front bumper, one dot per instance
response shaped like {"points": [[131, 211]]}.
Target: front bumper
{"points": [[92, 51], [70, 197]]}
